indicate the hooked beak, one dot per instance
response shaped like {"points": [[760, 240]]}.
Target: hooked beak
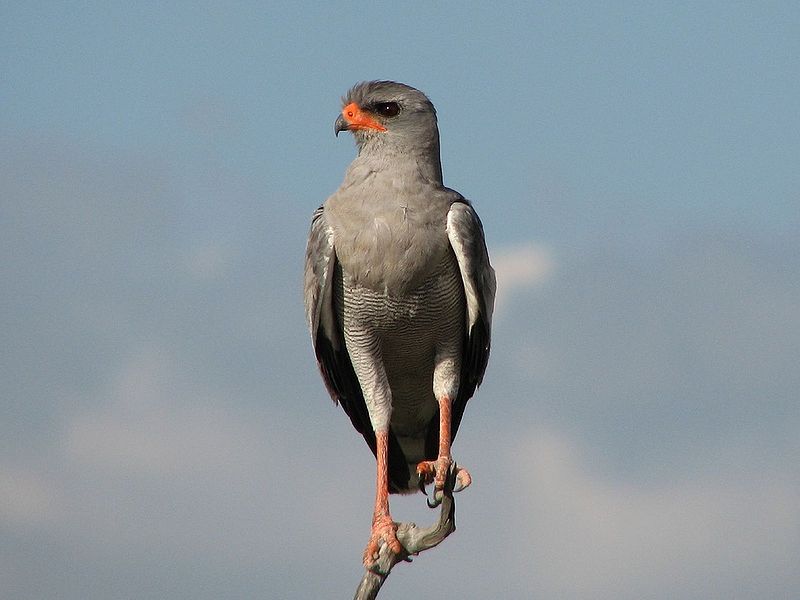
{"points": [[340, 125]]}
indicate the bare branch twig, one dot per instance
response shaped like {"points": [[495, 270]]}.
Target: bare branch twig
{"points": [[414, 540]]}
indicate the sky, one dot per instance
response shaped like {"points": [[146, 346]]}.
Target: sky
{"points": [[165, 433]]}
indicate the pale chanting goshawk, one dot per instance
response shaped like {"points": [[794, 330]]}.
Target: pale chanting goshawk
{"points": [[399, 295]]}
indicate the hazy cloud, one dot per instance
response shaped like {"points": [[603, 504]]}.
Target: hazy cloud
{"points": [[520, 267], [165, 433], [25, 497], [730, 528]]}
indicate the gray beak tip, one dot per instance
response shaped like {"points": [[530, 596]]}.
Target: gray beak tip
{"points": [[340, 125]]}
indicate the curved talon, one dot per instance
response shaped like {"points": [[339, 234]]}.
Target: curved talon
{"points": [[439, 472], [422, 485], [436, 500], [463, 479], [426, 470]]}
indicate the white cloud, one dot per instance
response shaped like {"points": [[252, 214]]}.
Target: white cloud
{"points": [[161, 441], [158, 466], [25, 497], [149, 421], [732, 528], [520, 267], [143, 422], [208, 262]]}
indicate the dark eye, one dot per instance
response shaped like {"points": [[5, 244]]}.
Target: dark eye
{"points": [[387, 109]]}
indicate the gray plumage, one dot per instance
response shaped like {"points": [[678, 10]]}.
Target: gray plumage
{"points": [[399, 291]]}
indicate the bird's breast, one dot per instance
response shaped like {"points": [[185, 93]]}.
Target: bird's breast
{"points": [[392, 250]]}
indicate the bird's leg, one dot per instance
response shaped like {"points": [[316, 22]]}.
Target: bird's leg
{"points": [[436, 471], [383, 528]]}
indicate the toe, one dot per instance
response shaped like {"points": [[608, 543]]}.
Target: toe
{"points": [[384, 531], [463, 479], [426, 470], [442, 471], [371, 552]]}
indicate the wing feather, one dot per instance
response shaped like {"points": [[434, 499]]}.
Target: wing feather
{"points": [[465, 232], [326, 333]]}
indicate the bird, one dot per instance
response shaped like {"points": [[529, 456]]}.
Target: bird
{"points": [[399, 294]]}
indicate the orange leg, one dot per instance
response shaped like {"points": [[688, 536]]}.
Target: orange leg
{"points": [[383, 528], [436, 470]]}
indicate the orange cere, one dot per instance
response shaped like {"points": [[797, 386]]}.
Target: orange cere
{"points": [[359, 119]]}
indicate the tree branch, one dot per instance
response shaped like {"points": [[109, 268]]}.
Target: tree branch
{"points": [[414, 540]]}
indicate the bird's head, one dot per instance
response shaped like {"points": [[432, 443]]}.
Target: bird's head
{"points": [[389, 115]]}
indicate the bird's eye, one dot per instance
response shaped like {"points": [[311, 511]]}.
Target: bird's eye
{"points": [[387, 109]]}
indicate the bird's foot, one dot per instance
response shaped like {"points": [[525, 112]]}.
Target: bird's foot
{"points": [[384, 530], [436, 471]]}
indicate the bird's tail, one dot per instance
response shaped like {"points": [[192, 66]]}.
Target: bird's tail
{"points": [[404, 456]]}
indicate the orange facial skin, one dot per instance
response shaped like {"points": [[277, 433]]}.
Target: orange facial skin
{"points": [[359, 119]]}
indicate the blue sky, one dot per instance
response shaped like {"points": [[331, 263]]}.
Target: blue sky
{"points": [[166, 434]]}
